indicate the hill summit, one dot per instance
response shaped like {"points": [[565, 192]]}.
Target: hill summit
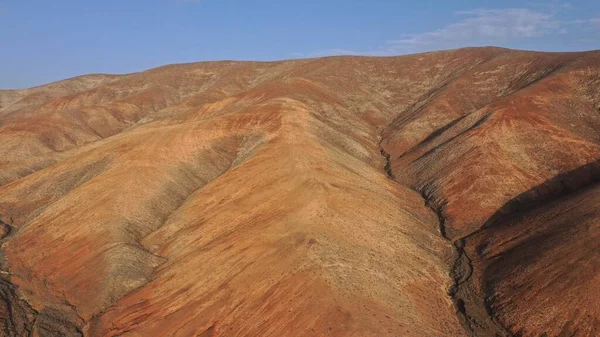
{"points": [[451, 193]]}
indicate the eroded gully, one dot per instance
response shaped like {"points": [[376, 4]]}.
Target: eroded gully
{"points": [[474, 312]]}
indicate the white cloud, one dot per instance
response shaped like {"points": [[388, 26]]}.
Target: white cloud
{"points": [[481, 26], [555, 5], [478, 27]]}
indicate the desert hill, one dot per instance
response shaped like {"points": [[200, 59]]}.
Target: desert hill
{"points": [[451, 193]]}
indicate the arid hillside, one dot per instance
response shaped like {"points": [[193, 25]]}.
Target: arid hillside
{"points": [[452, 193]]}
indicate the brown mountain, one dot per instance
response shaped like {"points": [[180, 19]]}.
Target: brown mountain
{"points": [[450, 193]]}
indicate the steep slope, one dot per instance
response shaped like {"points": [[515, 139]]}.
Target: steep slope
{"points": [[545, 241], [475, 162], [422, 195]]}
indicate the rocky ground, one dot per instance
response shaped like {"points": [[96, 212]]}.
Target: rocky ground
{"points": [[450, 193]]}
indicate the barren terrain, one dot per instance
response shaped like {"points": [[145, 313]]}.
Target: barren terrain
{"points": [[451, 193]]}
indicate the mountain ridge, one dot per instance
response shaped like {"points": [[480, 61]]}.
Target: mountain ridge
{"points": [[329, 196]]}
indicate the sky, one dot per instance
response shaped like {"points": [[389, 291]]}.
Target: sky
{"points": [[43, 41]]}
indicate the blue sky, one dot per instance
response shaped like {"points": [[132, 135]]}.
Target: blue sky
{"points": [[43, 41]]}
